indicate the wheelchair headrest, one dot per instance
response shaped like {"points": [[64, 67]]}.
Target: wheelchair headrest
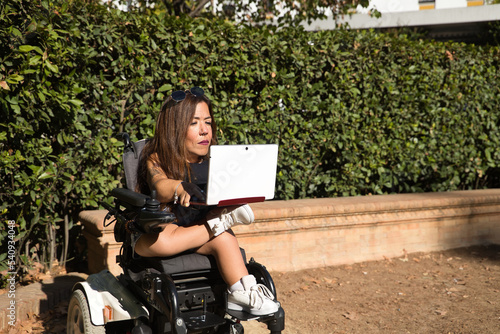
{"points": [[131, 156]]}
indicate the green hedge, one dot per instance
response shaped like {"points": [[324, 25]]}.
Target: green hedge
{"points": [[354, 113]]}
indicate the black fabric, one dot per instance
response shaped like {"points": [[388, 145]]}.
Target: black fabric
{"points": [[181, 263], [199, 173], [193, 213]]}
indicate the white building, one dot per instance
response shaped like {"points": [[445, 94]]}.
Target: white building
{"points": [[459, 20], [393, 6]]}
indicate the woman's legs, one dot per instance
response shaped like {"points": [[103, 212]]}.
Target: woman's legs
{"points": [[226, 250], [177, 239], [172, 240], [244, 292]]}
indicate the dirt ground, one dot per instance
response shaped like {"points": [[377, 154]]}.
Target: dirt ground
{"points": [[455, 291]]}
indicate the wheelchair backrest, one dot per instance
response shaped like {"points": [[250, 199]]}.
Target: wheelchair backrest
{"points": [[131, 156]]}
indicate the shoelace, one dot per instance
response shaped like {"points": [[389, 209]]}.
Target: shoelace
{"points": [[227, 218], [257, 294]]}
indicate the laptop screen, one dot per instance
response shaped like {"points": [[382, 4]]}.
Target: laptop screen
{"points": [[240, 174]]}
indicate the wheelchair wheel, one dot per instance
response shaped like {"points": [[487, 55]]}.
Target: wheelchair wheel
{"points": [[78, 321]]}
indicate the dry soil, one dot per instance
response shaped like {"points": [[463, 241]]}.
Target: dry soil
{"points": [[454, 291]]}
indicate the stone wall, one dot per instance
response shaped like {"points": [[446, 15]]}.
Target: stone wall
{"points": [[310, 233]]}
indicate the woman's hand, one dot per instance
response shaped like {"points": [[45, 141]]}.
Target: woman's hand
{"points": [[189, 190]]}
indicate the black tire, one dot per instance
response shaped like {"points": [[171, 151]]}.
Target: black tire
{"points": [[78, 321]]}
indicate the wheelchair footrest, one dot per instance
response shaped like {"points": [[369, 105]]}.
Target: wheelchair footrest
{"points": [[243, 316], [196, 320]]}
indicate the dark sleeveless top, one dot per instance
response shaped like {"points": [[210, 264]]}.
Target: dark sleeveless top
{"points": [[199, 174], [193, 213]]}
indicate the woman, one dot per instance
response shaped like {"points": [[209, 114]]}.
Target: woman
{"points": [[172, 163]]}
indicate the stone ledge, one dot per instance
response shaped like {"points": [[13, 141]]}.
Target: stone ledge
{"points": [[309, 233], [102, 248], [324, 207]]}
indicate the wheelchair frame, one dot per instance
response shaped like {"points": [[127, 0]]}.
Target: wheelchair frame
{"points": [[156, 295]]}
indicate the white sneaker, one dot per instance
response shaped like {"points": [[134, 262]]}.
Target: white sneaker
{"points": [[256, 299], [225, 219]]}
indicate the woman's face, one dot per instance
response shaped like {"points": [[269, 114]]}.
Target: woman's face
{"points": [[199, 134]]}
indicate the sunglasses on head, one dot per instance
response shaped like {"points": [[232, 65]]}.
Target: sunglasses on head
{"points": [[180, 95]]}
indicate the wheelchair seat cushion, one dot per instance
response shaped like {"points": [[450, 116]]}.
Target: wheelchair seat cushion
{"points": [[182, 263]]}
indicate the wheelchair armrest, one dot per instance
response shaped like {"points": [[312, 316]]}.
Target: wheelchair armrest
{"points": [[130, 197], [150, 218], [154, 221]]}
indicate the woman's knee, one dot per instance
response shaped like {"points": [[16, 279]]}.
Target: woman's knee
{"points": [[225, 241]]}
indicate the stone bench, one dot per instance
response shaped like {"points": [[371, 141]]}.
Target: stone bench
{"points": [[310, 233]]}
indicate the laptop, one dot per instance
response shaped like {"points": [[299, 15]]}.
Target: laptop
{"points": [[240, 174]]}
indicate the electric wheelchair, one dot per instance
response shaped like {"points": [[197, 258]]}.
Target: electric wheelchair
{"points": [[179, 294]]}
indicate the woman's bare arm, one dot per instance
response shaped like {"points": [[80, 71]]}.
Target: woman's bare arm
{"points": [[165, 187]]}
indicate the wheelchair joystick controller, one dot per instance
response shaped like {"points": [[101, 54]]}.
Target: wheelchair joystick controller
{"points": [[152, 204], [151, 218]]}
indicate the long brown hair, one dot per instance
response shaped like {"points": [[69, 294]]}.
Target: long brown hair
{"points": [[168, 143]]}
